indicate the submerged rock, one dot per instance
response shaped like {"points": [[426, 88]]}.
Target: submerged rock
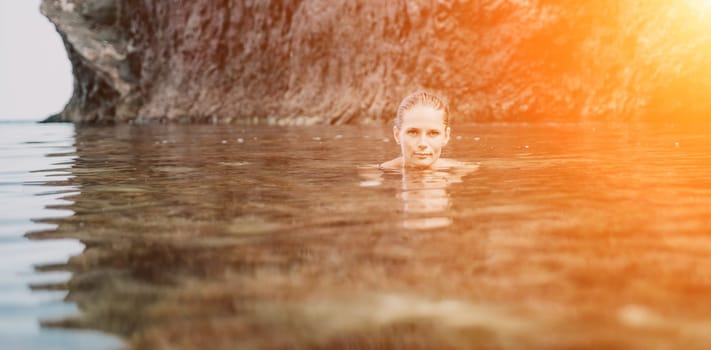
{"points": [[319, 61]]}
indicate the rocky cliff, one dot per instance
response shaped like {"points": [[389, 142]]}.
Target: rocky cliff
{"points": [[345, 61]]}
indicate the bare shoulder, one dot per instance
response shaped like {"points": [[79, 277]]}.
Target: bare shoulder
{"points": [[392, 164]]}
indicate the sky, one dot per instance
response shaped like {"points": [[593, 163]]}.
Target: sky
{"points": [[35, 73]]}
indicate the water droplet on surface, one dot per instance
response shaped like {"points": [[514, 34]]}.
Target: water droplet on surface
{"points": [[477, 138], [316, 138], [386, 139], [458, 137], [223, 142], [339, 136], [240, 140]]}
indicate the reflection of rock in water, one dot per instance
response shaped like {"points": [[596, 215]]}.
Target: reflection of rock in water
{"points": [[193, 245]]}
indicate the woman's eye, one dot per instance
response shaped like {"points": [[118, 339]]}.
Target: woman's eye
{"points": [[433, 133], [412, 132]]}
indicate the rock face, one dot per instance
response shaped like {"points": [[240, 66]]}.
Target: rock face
{"points": [[343, 61]]}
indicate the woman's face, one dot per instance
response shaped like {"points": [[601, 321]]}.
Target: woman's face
{"points": [[421, 136]]}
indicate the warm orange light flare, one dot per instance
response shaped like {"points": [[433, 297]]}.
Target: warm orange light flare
{"points": [[666, 52]]}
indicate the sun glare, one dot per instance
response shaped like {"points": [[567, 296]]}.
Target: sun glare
{"points": [[701, 7]]}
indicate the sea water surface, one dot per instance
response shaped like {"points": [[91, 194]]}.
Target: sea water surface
{"points": [[32, 157], [221, 237]]}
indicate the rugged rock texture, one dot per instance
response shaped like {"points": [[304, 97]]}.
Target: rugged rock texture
{"points": [[342, 61]]}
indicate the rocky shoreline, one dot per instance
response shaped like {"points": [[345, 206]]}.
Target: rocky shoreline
{"points": [[341, 62]]}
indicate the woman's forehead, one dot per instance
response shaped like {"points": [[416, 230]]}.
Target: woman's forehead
{"points": [[423, 116]]}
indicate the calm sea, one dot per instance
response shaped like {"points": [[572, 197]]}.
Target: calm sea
{"points": [[220, 237]]}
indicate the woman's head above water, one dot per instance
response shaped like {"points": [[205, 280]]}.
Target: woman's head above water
{"points": [[421, 98], [422, 130]]}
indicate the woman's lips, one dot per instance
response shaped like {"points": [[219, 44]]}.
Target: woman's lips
{"points": [[422, 155]]}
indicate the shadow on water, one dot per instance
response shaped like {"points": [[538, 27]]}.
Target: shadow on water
{"points": [[567, 236]]}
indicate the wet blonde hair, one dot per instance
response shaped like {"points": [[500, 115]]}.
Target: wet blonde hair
{"points": [[421, 98]]}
